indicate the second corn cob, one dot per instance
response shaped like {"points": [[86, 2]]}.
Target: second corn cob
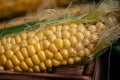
{"points": [[11, 8]]}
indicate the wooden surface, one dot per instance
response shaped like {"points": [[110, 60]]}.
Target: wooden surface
{"points": [[73, 72]]}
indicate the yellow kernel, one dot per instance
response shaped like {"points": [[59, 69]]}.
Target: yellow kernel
{"points": [[44, 38], [73, 25], [0, 43], [65, 34], [55, 62], [30, 34], [41, 55], [72, 30], [48, 63], [41, 45], [100, 26], [35, 59], [81, 53], [31, 41], [65, 28], [79, 36], [13, 41], [9, 54], [66, 43], [31, 50], [7, 46], [40, 35], [9, 39], [58, 56], [36, 68], [70, 61], [73, 40], [87, 34], [79, 46], [64, 62], [111, 19], [30, 70], [23, 43], [24, 52], [9, 64], [23, 36], [24, 66], [91, 47], [52, 48], [17, 39], [17, 68], [81, 28], [2, 50], [42, 66], [15, 60], [36, 38], [3, 41], [59, 28], [1, 68], [46, 44], [72, 52], [86, 42], [58, 43], [92, 28], [87, 52], [49, 54], [51, 37], [94, 38], [29, 62], [3, 59], [58, 34], [64, 53], [15, 47], [53, 28], [19, 56], [48, 32], [77, 59], [37, 47]]}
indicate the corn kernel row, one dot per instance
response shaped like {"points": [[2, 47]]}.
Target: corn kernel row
{"points": [[39, 50]]}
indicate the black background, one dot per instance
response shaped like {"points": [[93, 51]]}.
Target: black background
{"points": [[114, 66]]}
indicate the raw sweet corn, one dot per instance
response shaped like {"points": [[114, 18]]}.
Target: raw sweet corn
{"points": [[39, 46], [9, 8], [48, 50]]}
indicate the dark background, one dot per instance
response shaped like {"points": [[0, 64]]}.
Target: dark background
{"points": [[114, 66]]}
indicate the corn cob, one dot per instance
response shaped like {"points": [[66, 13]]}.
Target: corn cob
{"points": [[11, 8], [14, 7], [73, 10], [39, 46], [53, 46]]}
